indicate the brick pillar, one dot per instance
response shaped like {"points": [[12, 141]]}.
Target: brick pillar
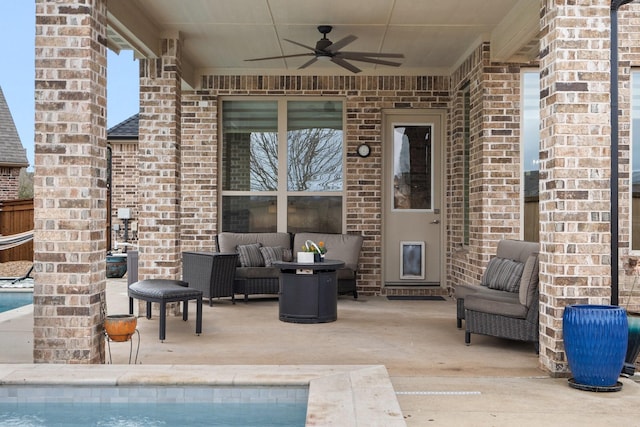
{"points": [[575, 167], [159, 164], [70, 181]]}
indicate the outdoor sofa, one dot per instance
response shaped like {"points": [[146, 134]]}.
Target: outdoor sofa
{"points": [[505, 303], [257, 251]]}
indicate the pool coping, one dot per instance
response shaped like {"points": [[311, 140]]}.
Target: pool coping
{"points": [[341, 395]]}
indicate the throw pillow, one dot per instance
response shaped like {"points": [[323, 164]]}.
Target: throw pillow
{"points": [[287, 255], [491, 270], [250, 255], [271, 255], [508, 276]]}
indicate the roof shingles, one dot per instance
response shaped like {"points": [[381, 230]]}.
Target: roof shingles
{"points": [[12, 153]]}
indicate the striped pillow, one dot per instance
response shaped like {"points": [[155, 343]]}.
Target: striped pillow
{"points": [[271, 255], [491, 270], [508, 276], [250, 255]]}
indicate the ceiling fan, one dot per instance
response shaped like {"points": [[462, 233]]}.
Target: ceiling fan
{"points": [[327, 50]]}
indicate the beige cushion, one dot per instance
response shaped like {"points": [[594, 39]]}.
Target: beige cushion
{"points": [[516, 250], [228, 241], [506, 304], [530, 279], [343, 247]]}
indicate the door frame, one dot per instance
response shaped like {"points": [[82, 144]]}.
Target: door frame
{"points": [[418, 115]]}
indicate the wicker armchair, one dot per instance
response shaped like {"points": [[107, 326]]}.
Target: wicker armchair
{"points": [[505, 304], [212, 273]]}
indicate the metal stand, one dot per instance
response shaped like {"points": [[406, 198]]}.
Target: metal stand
{"points": [[130, 348]]}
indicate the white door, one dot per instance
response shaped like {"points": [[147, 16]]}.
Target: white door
{"points": [[412, 213]]}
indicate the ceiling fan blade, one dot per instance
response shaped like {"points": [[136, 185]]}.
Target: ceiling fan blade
{"points": [[345, 64], [341, 43], [371, 55], [301, 45], [372, 60], [280, 57], [306, 64]]}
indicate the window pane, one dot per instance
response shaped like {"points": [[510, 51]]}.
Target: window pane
{"points": [[255, 214], [314, 146], [530, 142], [314, 214], [635, 160], [250, 146], [467, 157], [412, 167]]}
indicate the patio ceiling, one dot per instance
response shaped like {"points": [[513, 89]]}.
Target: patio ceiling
{"points": [[435, 36]]}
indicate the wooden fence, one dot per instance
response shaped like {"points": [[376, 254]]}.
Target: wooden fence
{"points": [[16, 216]]}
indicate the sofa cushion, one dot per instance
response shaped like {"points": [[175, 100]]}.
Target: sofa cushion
{"points": [[250, 255], [343, 247], [229, 241], [271, 254], [345, 274], [257, 273], [529, 282], [505, 304]]}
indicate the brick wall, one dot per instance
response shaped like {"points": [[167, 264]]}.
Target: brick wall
{"points": [[9, 183], [365, 98], [575, 167], [70, 181]]}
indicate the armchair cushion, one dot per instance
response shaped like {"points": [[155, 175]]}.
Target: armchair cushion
{"points": [[529, 283]]}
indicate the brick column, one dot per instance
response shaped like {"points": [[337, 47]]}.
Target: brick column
{"points": [[575, 167], [159, 164], [70, 181]]}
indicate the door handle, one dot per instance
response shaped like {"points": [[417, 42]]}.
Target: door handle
{"points": [[435, 221]]}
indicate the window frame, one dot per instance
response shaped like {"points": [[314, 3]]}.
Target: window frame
{"points": [[523, 170]]}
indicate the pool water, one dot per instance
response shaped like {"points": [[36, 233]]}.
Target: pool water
{"points": [[11, 300], [151, 415], [150, 406]]}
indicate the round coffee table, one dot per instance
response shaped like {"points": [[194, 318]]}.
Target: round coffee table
{"points": [[308, 292]]}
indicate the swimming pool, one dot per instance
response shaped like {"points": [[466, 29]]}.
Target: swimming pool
{"points": [[14, 299], [152, 406], [337, 394]]}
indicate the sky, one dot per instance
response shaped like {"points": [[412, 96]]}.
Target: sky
{"points": [[17, 32]]}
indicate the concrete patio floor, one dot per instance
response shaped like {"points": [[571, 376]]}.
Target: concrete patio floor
{"points": [[437, 379]]}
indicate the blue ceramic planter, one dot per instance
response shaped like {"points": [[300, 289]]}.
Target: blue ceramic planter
{"points": [[116, 266], [595, 342]]}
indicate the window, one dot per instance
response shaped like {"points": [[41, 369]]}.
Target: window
{"points": [[282, 166], [635, 160], [530, 143], [466, 99]]}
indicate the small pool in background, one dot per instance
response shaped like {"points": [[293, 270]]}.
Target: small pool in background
{"points": [[153, 406], [10, 300]]}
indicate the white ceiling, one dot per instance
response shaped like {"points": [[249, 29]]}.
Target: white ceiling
{"points": [[218, 35]]}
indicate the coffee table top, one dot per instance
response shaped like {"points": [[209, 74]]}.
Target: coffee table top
{"points": [[328, 264]]}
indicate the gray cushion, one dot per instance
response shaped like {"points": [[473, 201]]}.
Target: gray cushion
{"points": [[507, 276], [343, 247], [529, 282], [271, 254], [257, 273], [228, 241], [516, 250], [508, 304], [250, 255]]}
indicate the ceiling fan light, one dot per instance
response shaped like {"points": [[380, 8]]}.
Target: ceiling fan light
{"points": [[321, 57]]}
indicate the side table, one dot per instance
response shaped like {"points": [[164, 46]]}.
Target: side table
{"points": [[308, 292]]}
